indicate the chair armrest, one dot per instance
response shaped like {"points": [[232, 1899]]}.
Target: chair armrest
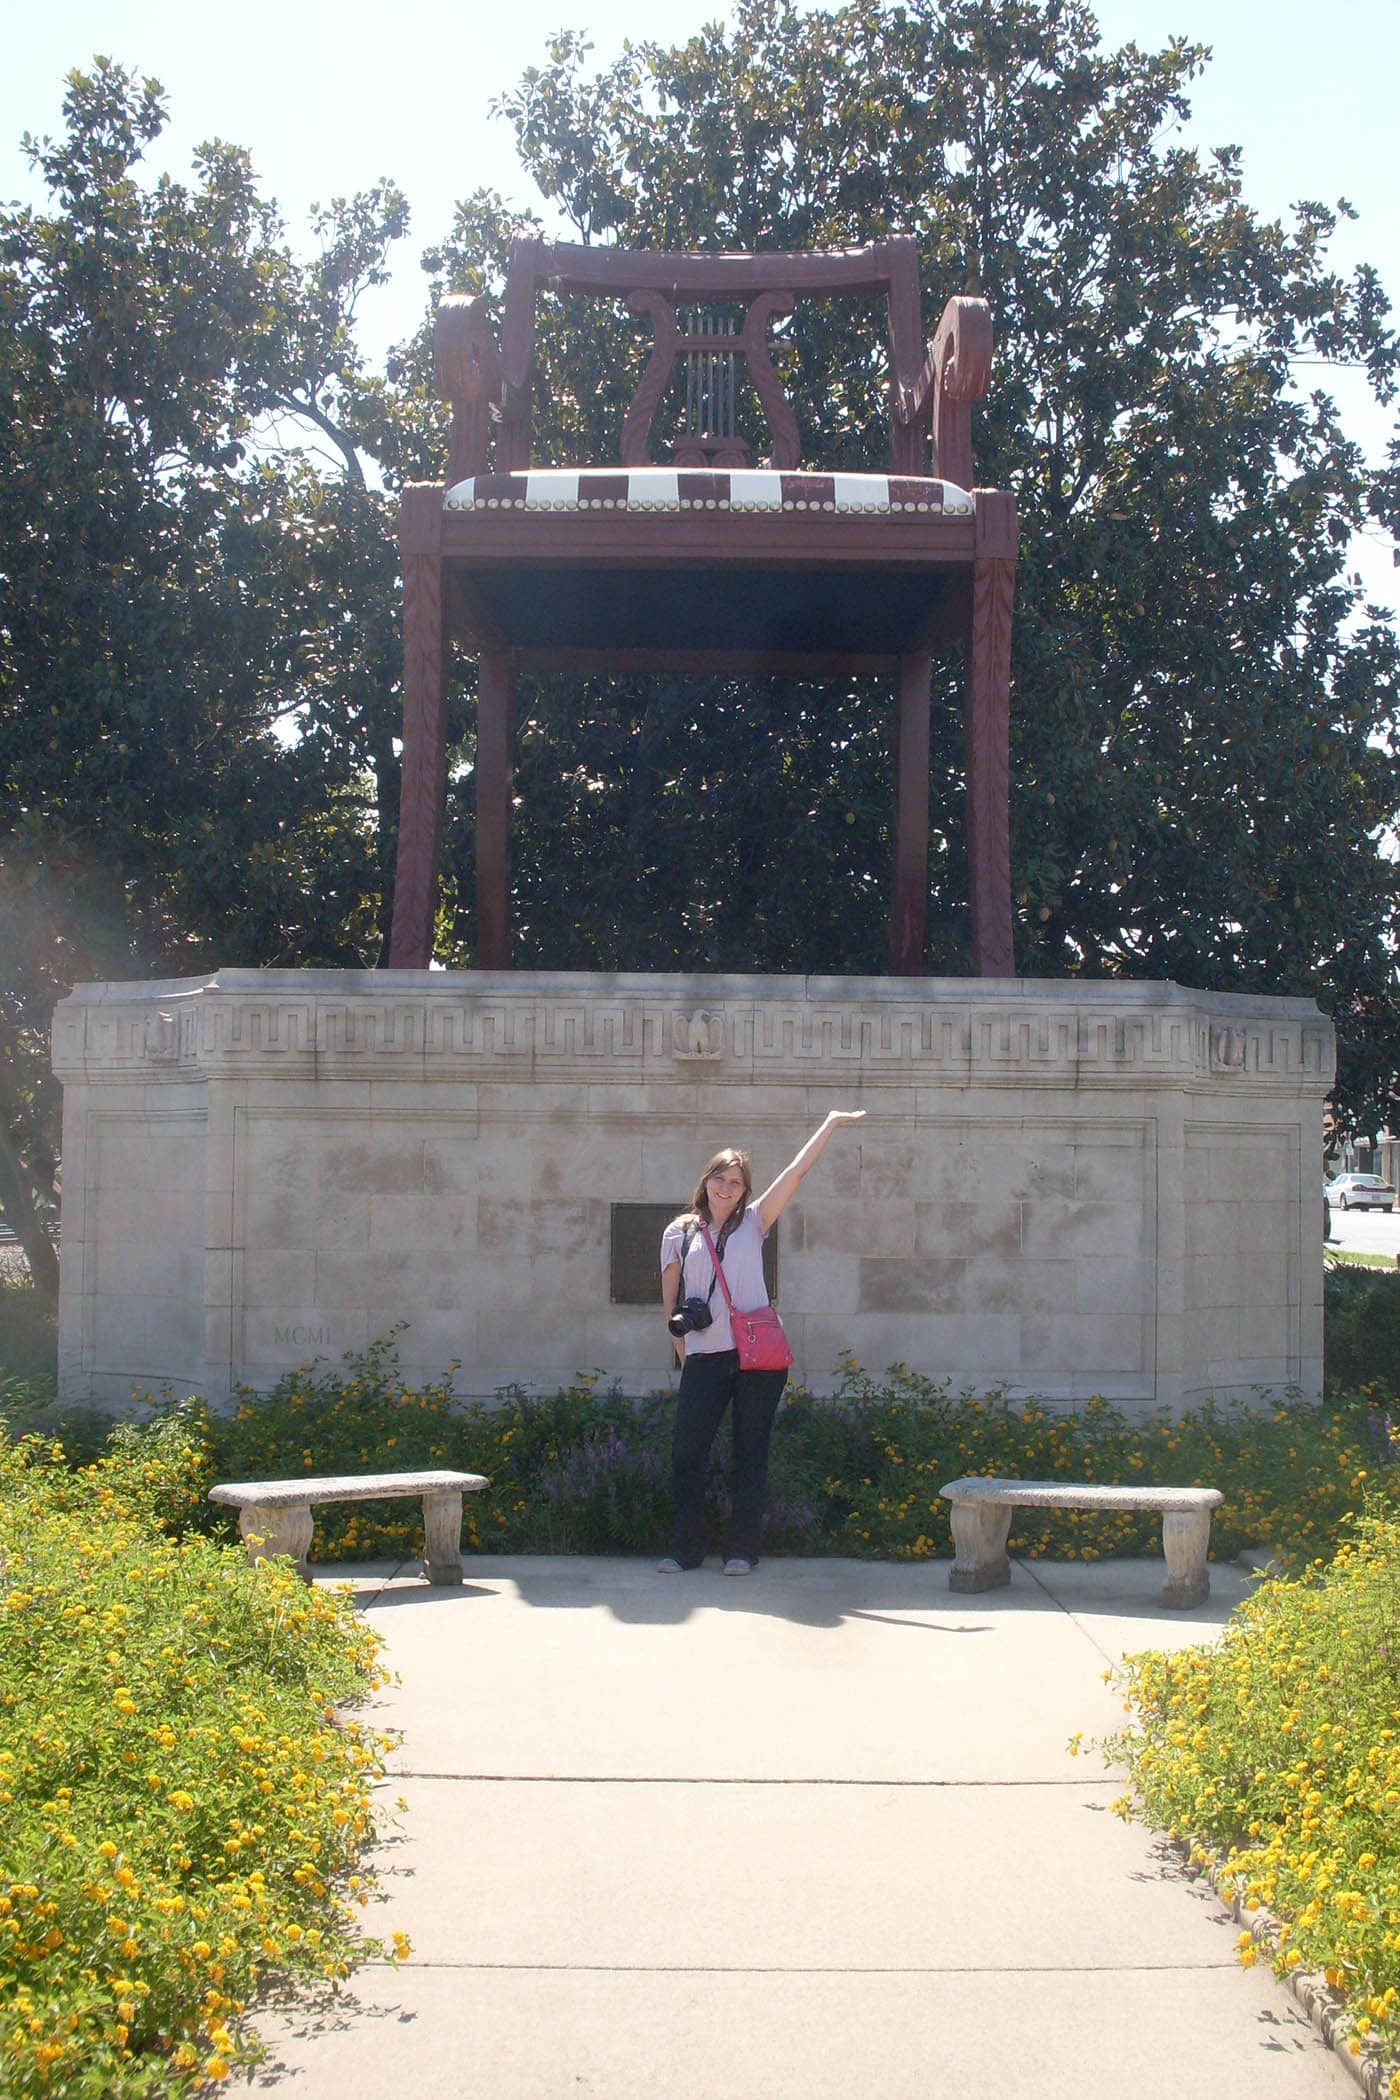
{"points": [[469, 375], [957, 372]]}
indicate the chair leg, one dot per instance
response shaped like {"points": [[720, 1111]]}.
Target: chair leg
{"points": [[423, 779], [495, 709], [909, 914], [987, 735]]}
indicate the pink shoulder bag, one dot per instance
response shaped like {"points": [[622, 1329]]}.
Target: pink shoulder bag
{"points": [[758, 1335]]}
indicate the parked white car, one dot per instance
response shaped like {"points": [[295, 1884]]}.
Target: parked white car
{"points": [[1361, 1192]]}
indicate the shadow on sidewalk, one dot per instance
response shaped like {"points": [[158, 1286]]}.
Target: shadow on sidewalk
{"points": [[817, 1592]]}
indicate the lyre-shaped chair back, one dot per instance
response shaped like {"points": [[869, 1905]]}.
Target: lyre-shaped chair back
{"points": [[691, 300], [931, 388], [712, 349], [709, 432]]}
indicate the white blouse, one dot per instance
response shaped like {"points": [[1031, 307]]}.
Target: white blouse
{"points": [[743, 1272]]}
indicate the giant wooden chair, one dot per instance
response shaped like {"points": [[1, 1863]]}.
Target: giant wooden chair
{"points": [[708, 564]]}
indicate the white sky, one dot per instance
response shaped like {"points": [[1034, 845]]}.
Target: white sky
{"points": [[329, 97]]}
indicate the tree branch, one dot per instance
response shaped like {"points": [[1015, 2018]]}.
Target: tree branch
{"points": [[317, 415]]}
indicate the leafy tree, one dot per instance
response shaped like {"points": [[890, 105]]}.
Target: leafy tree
{"points": [[198, 641], [1205, 712]]}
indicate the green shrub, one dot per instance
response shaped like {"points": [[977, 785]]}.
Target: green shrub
{"points": [[180, 1812], [587, 1471], [1290, 1473], [28, 1331], [577, 1471], [29, 1407], [1277, 1751], [1363, 1330]]}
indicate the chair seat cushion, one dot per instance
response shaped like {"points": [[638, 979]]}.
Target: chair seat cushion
{"points": [[734, 489]]}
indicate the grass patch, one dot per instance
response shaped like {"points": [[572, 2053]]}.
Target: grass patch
{"points": [[181, 1815], [1276, 1752]]}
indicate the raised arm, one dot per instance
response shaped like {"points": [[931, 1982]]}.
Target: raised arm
{"points": [[779, 1193]]}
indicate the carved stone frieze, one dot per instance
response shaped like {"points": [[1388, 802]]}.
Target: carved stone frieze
{"points": [[882, 1031]]}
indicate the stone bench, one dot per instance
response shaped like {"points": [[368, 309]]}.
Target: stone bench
{"points": [[277, 1513], [982, 1511]]}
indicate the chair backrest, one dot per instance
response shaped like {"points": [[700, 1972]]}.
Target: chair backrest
{"points": [[692, 303], [662, 286]]}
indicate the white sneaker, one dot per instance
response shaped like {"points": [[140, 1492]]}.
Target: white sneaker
{"points": [[669, 1566], [737, 1565]]}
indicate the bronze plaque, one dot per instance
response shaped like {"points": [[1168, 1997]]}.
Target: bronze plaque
{"points": [[635, 1253]]}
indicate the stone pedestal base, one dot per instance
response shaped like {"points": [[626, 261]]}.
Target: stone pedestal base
{"points": [[1061, 1189], [980, 1560], [1185, 1543], [442, 1539], [268, 1532]]}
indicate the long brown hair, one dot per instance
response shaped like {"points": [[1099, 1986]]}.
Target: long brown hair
{"points": [[700, 1201]]}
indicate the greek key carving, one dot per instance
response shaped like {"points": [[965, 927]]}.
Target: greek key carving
{"points": [[289, 1022]]}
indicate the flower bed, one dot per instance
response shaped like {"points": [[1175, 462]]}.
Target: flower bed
{"points": [[181, 1814], [1275, 1753], [167, 1751], [587, 1471]]}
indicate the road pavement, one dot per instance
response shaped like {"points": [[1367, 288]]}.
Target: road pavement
{"points": [[1366, 1232]]}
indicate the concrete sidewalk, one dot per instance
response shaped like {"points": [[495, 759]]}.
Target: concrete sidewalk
{"points": [[808, 1836]]}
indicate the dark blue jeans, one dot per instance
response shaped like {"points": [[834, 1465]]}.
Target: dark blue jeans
{"points": [[709, 1384]]}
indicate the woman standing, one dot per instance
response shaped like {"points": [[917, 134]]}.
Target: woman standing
{"points": [[711, 1380]]}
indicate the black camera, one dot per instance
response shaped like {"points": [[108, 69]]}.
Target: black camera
{"points": [[691, 1316]]}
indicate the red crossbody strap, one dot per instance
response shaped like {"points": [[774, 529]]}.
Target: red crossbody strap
{"points": [[758, 1334], [718, 1267]]}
